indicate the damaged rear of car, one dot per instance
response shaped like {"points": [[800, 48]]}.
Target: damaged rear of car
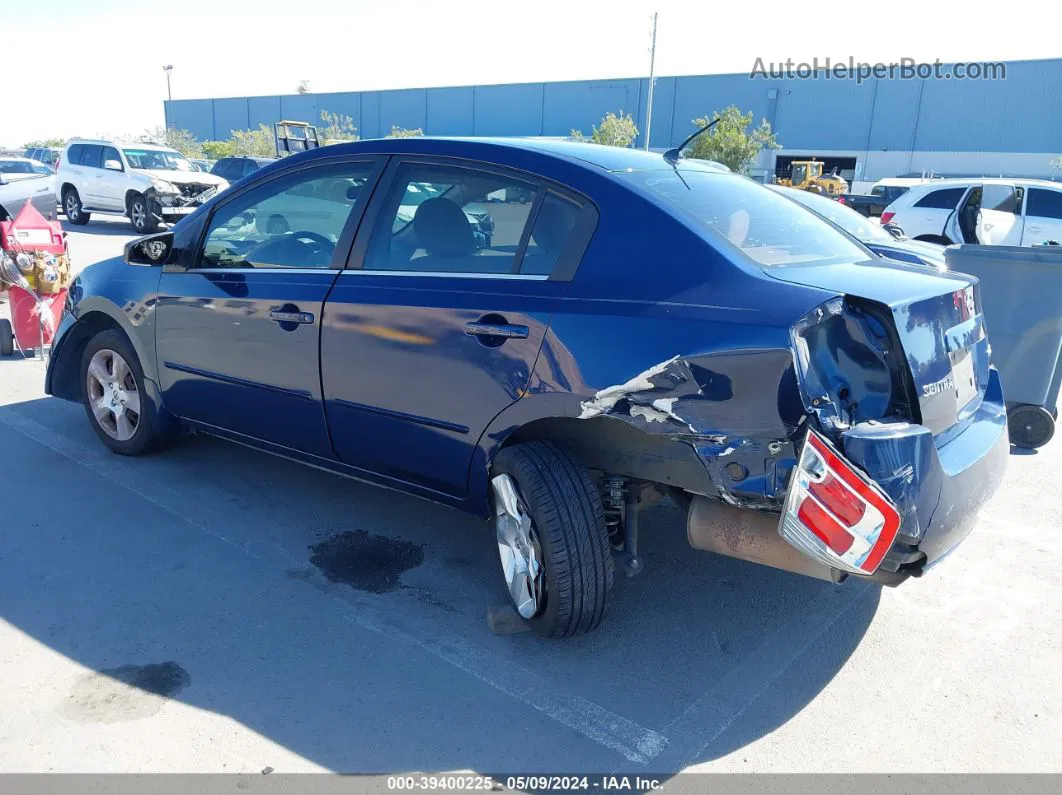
{"points": [[815, 408]]}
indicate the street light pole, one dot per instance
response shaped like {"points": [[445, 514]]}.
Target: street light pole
{"points": [[167, 69], [652, 80]]}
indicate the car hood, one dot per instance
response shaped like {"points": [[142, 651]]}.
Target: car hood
{"points": [[183, 177]]}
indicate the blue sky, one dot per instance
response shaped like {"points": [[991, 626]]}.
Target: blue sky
{"points": [[102, 73]]}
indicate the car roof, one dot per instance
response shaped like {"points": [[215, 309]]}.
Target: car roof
{"points": [[607, 158], [963, 182], [120, 144]]}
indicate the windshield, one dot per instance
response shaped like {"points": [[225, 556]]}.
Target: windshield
{"points": [[766, 227], [160, 159], [845, 217], [24, 167]]}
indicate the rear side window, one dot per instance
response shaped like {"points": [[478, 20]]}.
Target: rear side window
{"points": [[1044, 203], [767, 228], [249, 167], [944, 199], [445, 219], [74, 153]]}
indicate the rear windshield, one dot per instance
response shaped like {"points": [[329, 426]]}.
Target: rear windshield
{"points": [[772, 231]]}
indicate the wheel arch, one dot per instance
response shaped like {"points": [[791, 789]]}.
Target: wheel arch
{"points": [[941, 239], [64, 377], [601, 443]]}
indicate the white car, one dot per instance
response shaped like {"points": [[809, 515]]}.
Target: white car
{"points": [[999, 212], [148, 183]]}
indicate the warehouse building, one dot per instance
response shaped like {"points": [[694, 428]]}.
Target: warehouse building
{"points": [[1006, 122]]}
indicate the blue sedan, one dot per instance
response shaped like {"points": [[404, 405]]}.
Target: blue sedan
{"points": [[634, 327]]}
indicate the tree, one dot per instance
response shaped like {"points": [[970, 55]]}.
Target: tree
{"points": [[338, 128], [215, 150], [51, 143], [402, 132], [613, 131], [181, 140], [254, 143], [729, 142]]}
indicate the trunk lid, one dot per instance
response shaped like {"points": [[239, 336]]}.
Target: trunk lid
{"points": [[939, 323]]}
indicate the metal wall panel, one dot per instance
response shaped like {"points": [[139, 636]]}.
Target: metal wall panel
{"points": [[1020, 114], [449, 111]]}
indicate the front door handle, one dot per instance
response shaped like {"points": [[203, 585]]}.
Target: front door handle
{"points": [[506, 330], [293, 316]]}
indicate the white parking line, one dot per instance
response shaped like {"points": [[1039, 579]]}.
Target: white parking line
{"points": [[636, 743]]}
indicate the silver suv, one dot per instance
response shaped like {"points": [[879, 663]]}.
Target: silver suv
{"points": [[148, 183]]}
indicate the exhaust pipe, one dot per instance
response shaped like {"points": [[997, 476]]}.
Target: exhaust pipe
{"points": [[749, 535]]}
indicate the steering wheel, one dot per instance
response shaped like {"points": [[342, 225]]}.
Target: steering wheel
{"points": [[314, 238], [303, 248]]}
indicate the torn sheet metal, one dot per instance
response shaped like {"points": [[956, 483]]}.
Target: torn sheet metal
{"points": [[742, 407]]}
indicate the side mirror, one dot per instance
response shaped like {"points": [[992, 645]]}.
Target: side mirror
{"points": [[113, 165], [151, 250]]}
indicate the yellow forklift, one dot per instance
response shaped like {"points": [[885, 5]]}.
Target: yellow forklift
{"points": [[807, 175]]}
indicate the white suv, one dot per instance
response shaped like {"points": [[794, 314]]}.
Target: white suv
{"points": [[148, 183], [998, 212]]}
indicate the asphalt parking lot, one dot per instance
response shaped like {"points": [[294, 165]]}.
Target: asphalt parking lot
{"points": [[216, 609]]}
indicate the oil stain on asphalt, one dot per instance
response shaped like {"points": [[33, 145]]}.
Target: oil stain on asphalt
{"points": [[129, 692], [366, 562]]}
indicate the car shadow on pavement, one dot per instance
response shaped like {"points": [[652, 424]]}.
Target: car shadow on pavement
{"points": [[114, 227], [243, 584]]}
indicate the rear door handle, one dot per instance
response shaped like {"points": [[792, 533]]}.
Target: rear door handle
{"points": [[281, 316], [507, 330]]}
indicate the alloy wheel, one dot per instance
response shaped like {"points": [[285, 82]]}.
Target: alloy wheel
{"points": [[113, 395], [518, 547], [137, 214]]}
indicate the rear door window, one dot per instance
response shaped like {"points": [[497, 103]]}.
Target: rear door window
{"points": [[92, 156], [454, 220], [944, 199]]}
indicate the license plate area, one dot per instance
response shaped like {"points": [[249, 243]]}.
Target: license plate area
{"points": [[962, 373]]}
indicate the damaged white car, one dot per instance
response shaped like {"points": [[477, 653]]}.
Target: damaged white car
{"points": [[148, 183]]}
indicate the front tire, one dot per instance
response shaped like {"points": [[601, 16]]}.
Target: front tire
{"points": [[112, 390], [72, 207], [141, 215], [552, 539]]}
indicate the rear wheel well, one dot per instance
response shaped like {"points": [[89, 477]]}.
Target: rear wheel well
{"points": [[941, 239], [66, 376], [66, 187], [613, 446]]}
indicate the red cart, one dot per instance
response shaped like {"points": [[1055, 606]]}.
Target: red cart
{"points": [[36, 269]]}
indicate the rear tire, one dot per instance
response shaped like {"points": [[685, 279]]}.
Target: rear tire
{"points": [[149, 431], [569, 535], [72, 207], [7, 338], [1030, 426]]}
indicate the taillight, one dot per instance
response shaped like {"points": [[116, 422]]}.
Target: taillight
{"points": [[835, 514], [886, 217]]}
